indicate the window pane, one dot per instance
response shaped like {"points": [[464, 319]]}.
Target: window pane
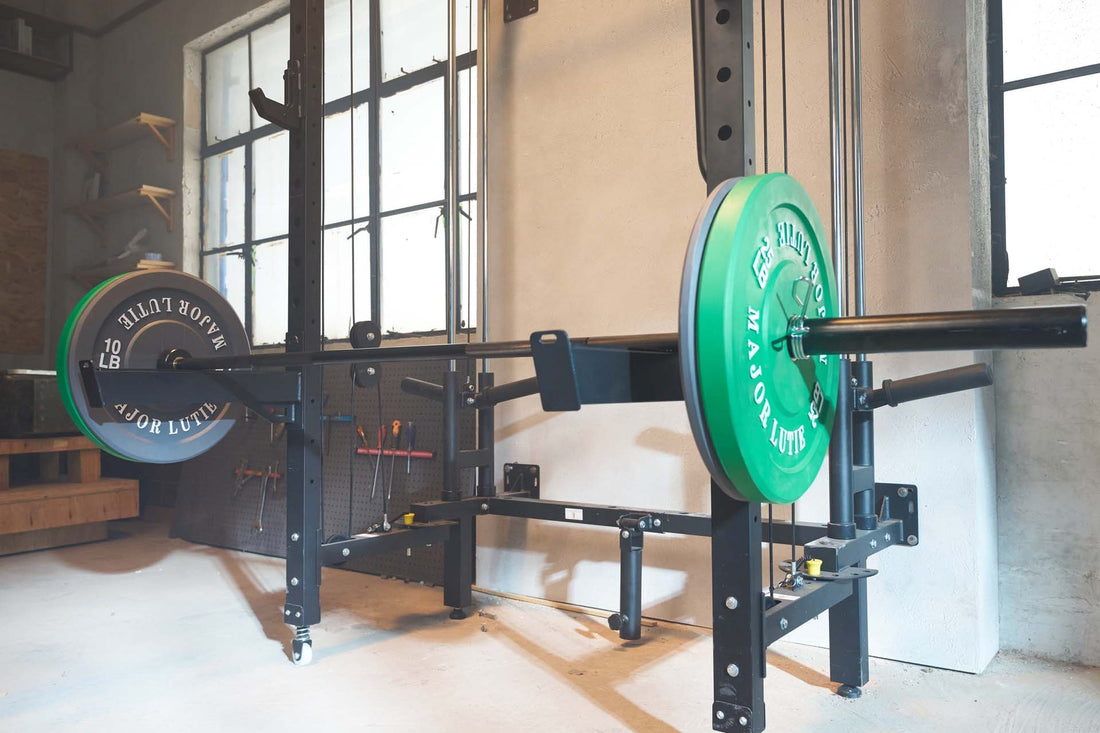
{"points": [[362, 273], [414, 35], [361, 159], [1051, 157], [227, 91], [338, 167], [223, 180], [467, 131], [270, 52], [337, 283], [1050, 36], [269, 275], [226, 273], [337, 49], [467, 264], [413, 283], [465, 26], [360, 44], [270, 173], [412, 146]]}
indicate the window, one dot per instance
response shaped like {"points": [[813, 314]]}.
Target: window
{"points": [[1044, 94], [384, 160]]}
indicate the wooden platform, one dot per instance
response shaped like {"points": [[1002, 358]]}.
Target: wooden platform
{"points": [[56, 513]]}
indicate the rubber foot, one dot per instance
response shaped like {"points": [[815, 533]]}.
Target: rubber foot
{"points": [[458, 614], [849, 692]]}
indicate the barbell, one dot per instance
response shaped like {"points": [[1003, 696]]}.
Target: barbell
{"points": [[759, 343]]}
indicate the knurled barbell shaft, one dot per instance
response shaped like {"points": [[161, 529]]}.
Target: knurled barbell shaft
{"points": [[1014, 328], [1011, 328]]}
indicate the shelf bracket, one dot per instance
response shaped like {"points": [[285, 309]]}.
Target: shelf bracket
{"points": [[167, 139], [168, 213]]}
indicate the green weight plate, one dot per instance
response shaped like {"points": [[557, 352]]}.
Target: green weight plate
{"points": [[129, 322], [762, 418]]}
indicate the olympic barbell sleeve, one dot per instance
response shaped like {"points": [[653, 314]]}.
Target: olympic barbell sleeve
{"points": [[894, 392], [1010, 328]]}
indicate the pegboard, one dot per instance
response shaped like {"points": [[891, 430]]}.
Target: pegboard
{"points": [[207, 511]]}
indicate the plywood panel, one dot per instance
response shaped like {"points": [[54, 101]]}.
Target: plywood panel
{"points": [[24, 213], [45, 506]]}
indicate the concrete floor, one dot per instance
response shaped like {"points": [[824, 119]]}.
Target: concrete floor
{"points": [[147, 633]]}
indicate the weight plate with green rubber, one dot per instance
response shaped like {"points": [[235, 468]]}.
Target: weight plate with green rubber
{"points": [[129, 322], [757, 257]]}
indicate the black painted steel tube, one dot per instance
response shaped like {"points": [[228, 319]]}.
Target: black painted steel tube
{"points": [[841, 504], [489, 350], [630, 584], [863, 448], [510, 391], [422, 388], [1010, 328], [486, 428], [451, 488], [894, 392]]}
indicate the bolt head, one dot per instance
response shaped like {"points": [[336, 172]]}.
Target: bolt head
{"points": [[874, 544], [720, 715], [297, 614], [294, 581], [656, 522], [887, 538], [641, 524], [625, 534], [784, 623], [345, 552], [484, 507], [470, 400], [370, 371], [855, 382], [732, 670], [294, 537], [731, 603], [911, 540], [743, 721], [286, 612], [903, 491]]}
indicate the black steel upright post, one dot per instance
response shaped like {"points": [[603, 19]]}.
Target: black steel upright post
{"points": [[305, 76], [738, 613], [863, 448], [486, 428], [842, 524]]}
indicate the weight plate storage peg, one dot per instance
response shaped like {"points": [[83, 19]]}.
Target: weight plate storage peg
{"points": [[130, 322], [757, 263]]}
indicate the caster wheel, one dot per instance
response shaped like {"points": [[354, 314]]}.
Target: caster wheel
{"points": [[302, 653]]}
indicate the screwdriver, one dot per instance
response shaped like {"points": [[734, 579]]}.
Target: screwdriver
{"points": [[396, 432], [410, 441]]}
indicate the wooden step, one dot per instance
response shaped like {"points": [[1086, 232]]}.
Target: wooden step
{"points": [[83, 461], [45, 506]]}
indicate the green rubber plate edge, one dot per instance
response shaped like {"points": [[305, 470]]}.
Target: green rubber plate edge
{"points": [[65, 378], [754, 479]]}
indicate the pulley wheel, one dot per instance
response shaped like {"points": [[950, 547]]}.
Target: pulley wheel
{"points": [[130, 322], [761, 420]]}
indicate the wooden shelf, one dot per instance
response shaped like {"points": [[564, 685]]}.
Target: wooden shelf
{"points": [[89, 277], [161, 129], [93, 212], [51, 48], [22, 63]]}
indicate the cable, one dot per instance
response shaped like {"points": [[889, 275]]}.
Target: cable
{"points": [[783, 74], [764, 71]]}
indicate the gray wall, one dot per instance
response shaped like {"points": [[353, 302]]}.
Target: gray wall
{"points": [[596, 188], [1048, 420]]}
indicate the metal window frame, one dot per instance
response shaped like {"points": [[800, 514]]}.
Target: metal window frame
{"points": [[997, 87], [376, 91]]}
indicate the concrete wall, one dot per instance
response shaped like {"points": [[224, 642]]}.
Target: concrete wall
{"points": [[1048, 417], [593, 166]]}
